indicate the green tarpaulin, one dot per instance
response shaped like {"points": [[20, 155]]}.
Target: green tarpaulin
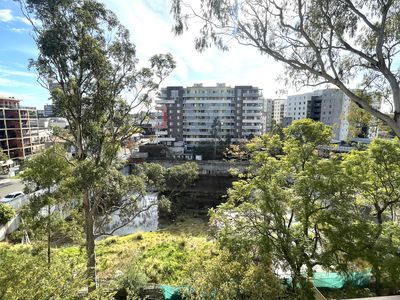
{"points": [[171, 293], [338, 281]]}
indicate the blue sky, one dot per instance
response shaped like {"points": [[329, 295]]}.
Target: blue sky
{"points": [[150, 26]]}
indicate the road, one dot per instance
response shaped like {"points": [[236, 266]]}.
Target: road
{"points": [[8, 186]]}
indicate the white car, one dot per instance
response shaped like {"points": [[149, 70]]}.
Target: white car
{"points": [[12, 196]]}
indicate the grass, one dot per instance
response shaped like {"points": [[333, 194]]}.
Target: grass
{"points": [[161, 256]]}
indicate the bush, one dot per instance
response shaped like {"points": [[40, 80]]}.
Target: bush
{"points": [[25, 274], [130, 282], [6, 213]]}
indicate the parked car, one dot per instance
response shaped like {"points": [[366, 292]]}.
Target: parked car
{"points": [[12, 196]]}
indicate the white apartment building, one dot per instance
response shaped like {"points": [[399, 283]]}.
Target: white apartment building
{"points": [[200, 114], [330, 106], [275, 112]]}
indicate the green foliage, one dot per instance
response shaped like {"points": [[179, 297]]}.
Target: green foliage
{"points": [[221, 274], [124, 263], [44, 216], [6, 213], [169, 181], [360, 121], [25, 274], [46, 169], [236, 152], [131, 281], [181, 176], [303, 210], [277, 211], [371, 231], [3, 156], [164, 262]]}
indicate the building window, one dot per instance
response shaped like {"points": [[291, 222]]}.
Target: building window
{"points": [[174, 93]]}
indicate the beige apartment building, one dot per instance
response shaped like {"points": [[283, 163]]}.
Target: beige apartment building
{"points": [[19, 131]]}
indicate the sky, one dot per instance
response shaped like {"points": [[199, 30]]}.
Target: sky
{"points": [[150, 26]]}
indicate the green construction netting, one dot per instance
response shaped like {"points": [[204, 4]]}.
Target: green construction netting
{"points": [[171, 293], [336, 280]]}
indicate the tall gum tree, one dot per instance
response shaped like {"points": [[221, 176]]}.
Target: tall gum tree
{"points": [[88, 63], [320, 42]]}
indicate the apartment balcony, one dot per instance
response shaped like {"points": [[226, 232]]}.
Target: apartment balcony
{"points": [[253, 121], [198, 133], [11, 116], [165, 139], [252, 94], [190, 139], [207, 101], [208, 95], [259, 102], [162, 101], [257, 127], [252, 114], [14, 146], [209, 114]]}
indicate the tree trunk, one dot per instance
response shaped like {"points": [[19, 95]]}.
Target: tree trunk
{"points": [[377, 272], [90, 245], [48, 235]]}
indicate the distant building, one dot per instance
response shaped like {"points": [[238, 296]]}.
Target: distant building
{"points": [[329, 106], [40, 113], [18, 129], [275, 110], [49, 110], [200, 114], [48, 123]]}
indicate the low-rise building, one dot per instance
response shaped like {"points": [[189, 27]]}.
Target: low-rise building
{"points": [[19, 129]]}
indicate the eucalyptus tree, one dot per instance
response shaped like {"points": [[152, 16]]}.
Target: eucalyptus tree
{"points": [[89, 65], [44, 172], [334, 42]]}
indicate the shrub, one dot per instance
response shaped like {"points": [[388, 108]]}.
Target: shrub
{"points": [[6, 213], [130, 282]]}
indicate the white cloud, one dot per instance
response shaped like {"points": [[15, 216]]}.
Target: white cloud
{"points": [[6, 15], [5, 82], [19, 30], [5, 71], [24, 20], [151, 31]]}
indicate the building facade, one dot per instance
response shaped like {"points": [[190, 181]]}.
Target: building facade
{"points": [[19, 131], [200, 114], [49, 110], [275, 112], [329, 106]]}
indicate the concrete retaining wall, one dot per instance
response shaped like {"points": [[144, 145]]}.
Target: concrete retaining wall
{"points": [[208, 167]]}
